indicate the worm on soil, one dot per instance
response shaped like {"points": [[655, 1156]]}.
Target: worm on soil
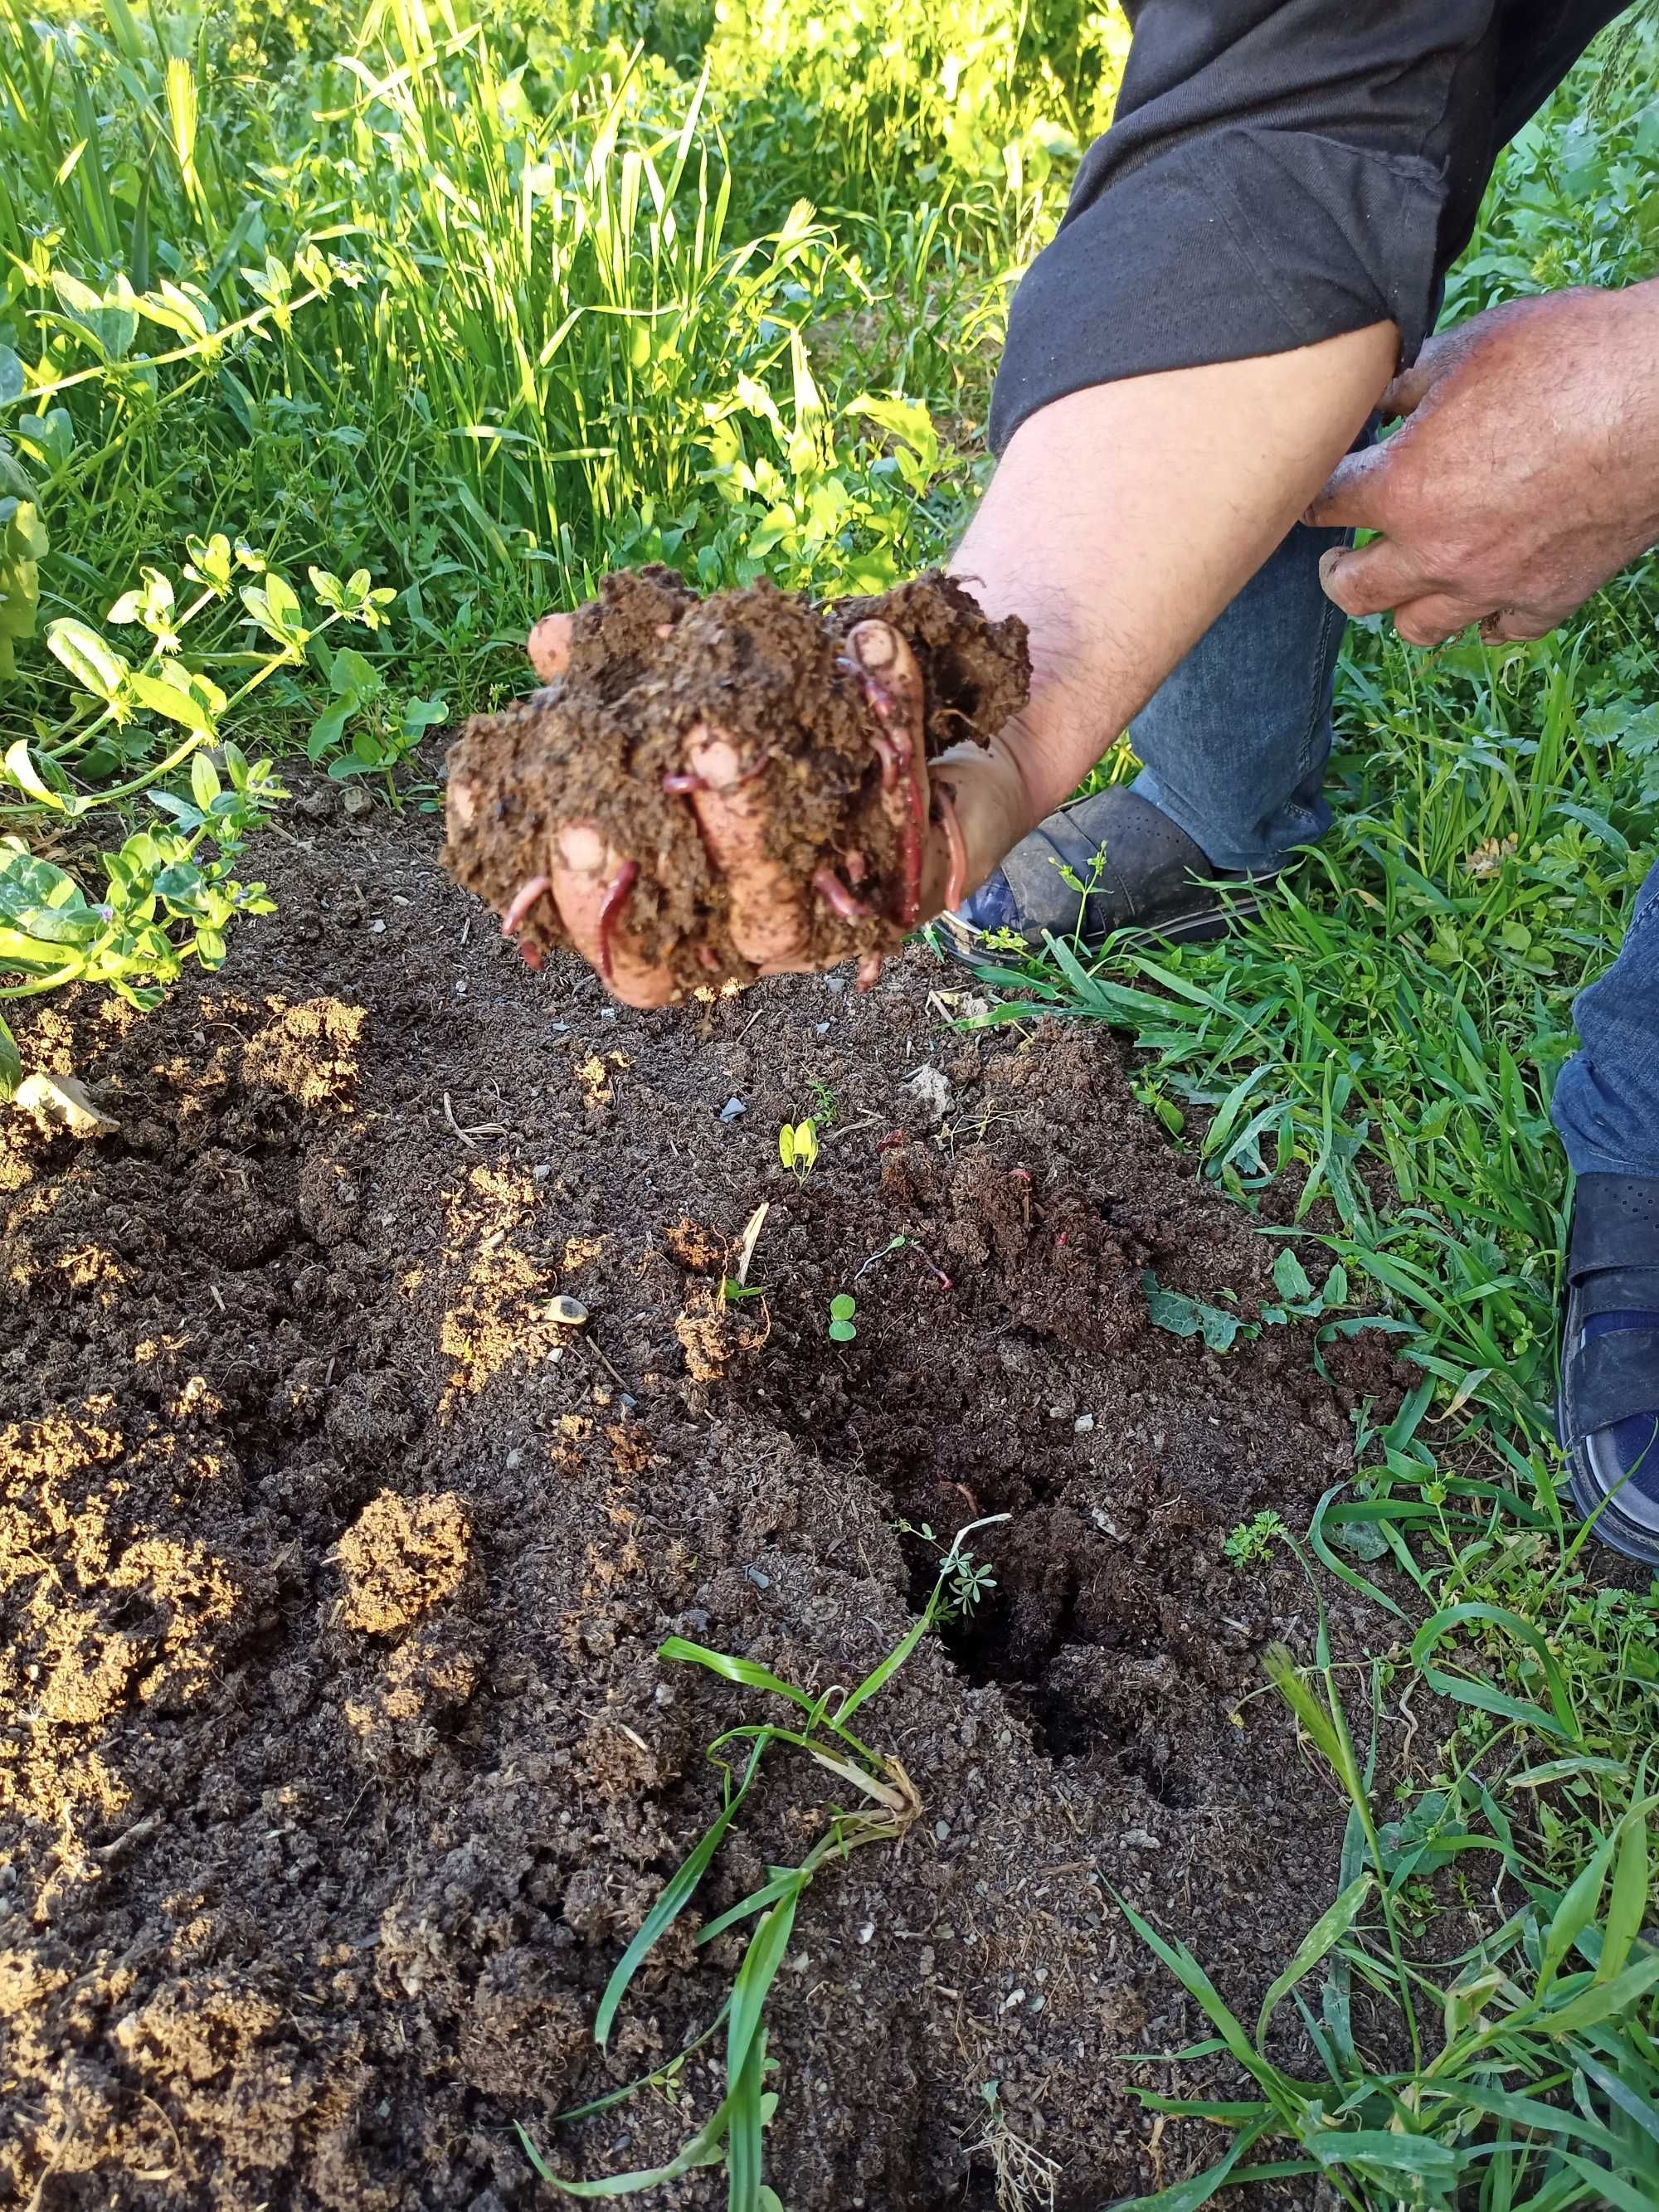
{"points": [[615, 899]]}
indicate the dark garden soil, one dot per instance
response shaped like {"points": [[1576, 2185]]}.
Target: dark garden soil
{"points": [[338, 1765], [826, 755]]}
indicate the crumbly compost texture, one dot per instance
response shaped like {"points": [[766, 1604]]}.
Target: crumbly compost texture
{"points": [[337, 1764], [650, 663]]}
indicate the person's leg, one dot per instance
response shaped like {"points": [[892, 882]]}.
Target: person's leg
{"points": [[1605, 1110], [1234, 744]]}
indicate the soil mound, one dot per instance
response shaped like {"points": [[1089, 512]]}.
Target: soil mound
{"points": [[338, 1764]]}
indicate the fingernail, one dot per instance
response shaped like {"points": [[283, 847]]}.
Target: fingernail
{"points": [[875, 645], [1327, 562], [581, 847]]}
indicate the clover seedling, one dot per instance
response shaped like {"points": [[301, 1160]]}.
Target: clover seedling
{"points": [[841, 1310]]}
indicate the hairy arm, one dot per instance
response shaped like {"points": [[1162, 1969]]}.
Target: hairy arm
{"points": [[1121, 521]]}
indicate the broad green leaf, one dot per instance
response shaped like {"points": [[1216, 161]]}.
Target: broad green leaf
{"points": [[1291, 1278], [11, 1062], [21, 770], [152, 689], [96, 666], [1184, 1316]]}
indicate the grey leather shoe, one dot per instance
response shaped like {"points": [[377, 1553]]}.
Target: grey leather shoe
{"points": [[1108, 862]]}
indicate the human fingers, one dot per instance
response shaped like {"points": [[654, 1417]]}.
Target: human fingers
{"points": [[1515, 624], [591, 884], [1373, 578], [886, 672], [1434, 617], [1412, 385], [1355, 493], [550, 646], [765, 915]]}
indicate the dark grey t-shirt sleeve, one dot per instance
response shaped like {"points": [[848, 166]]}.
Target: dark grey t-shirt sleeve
{"points": [[1279, 172]]}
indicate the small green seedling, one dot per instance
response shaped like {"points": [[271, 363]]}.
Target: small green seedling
{"points": [[797, 1147], [841, 1310], [1253, 1541]]}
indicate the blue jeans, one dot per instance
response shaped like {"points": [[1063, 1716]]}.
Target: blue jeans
{"points": [[1235, 744]]}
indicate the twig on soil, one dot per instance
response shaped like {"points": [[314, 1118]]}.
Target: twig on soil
{"points": [[590, 1345], [470, 1137], [847, 1129], [749, 1239]]}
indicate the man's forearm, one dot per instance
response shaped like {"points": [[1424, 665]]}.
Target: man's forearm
{"points": [[1121, 522]]}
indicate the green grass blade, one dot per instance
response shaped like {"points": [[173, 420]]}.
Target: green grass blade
{"points": [[676, 1895], [1332, 1925]]}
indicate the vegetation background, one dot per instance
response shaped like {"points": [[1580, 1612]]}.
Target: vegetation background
{"points": [[338, 338]]}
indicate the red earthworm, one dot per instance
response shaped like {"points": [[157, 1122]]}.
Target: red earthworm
{"points": [[836, 896], [887, 752], [897, 755], [615, 899], [955, 883], [523, 899]]}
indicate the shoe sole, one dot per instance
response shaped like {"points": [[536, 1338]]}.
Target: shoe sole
{"points": [[959, 942], [1595, 1502]]}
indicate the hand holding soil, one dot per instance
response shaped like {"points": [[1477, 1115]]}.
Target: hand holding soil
{"points": [[710, 791]]}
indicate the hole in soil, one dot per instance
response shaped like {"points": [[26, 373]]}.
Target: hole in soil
{"points": [[1062, 1727], [1177, 1791]]}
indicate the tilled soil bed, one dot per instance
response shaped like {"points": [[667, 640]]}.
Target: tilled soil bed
{"points": [[338, 1762]]}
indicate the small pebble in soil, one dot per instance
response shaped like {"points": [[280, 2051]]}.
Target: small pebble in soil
{"points": [[1137, 1839], [760, 1580], [732, 1109], [571, 1311], [1083, 1423]]}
